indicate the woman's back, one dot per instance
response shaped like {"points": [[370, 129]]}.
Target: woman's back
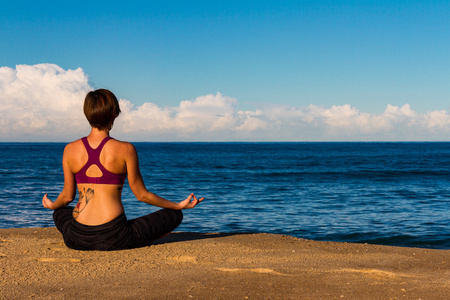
{"points": [[97, 166], [100, 169]]}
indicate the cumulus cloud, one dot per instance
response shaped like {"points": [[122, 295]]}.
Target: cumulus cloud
{"points": [[210, 117], [41, 102], [44, 103]]}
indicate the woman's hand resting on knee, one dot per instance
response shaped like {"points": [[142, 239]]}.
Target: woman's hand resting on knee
{"points": [[190, 202]]}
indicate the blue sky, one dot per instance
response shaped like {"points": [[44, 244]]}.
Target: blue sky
{"points": [[367, 54]]}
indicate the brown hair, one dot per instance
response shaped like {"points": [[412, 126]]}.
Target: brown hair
{"points": [[101, 108]]}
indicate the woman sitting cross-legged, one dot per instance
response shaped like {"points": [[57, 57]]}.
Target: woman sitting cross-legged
{"points": [[97, 166]]}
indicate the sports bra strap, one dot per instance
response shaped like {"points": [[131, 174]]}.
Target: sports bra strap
{"points": [[94, 159]]}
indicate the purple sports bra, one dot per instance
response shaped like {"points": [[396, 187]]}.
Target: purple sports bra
{"points": [[94, 159]]}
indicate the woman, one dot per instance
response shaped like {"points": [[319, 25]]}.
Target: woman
{"points": [[97, 165]]}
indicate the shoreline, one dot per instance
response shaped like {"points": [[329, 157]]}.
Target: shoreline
{"points": [[35, 263], [431, 245]]}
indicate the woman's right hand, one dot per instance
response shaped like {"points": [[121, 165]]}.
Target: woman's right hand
{"points": [[190, 202]]}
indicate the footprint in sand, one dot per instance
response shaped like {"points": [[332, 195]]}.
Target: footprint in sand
{"points": [[256, 270], [374, 273], [58, 260], [184, 258]]}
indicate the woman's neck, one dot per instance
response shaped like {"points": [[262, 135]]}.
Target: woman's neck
{"points": [[97, 134]]}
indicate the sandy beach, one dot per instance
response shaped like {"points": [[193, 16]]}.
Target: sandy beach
{"points": [[34, 263]]}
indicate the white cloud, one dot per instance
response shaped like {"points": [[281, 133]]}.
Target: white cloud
{"points": [[41, 102], [44, 103], [216, 118]]}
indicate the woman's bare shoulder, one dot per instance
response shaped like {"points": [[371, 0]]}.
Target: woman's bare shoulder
{"points": [[119, 143], [74, 146], [122, 146]]}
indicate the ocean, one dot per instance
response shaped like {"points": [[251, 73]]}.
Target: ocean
{"points": [[388, 193]]}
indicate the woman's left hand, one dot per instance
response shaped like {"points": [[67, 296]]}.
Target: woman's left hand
{"points": [[190, 202]]}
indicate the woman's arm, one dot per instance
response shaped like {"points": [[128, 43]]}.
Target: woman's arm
{"points": [[68, 193], [140, 191]]}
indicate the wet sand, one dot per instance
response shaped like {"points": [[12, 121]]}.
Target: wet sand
{"points": [[34, 263]]}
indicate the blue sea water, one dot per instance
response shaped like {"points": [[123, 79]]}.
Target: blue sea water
{"points": [[380, 193]]}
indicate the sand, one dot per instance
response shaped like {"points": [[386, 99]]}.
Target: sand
{"points": [[34, 263]]}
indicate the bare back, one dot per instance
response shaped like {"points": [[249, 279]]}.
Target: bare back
{"points": [[98, 203]]}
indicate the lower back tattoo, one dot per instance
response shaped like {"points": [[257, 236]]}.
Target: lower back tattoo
{"points": [[85, 196]]}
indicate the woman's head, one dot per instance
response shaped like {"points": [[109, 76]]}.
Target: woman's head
{"points": [[101, 108]]}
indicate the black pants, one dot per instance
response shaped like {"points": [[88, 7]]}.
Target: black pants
{"points": [[117, 234]]}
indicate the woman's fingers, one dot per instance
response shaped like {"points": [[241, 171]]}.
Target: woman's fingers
{"points": [[196, 201], [46, 202], [191, 201]]}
